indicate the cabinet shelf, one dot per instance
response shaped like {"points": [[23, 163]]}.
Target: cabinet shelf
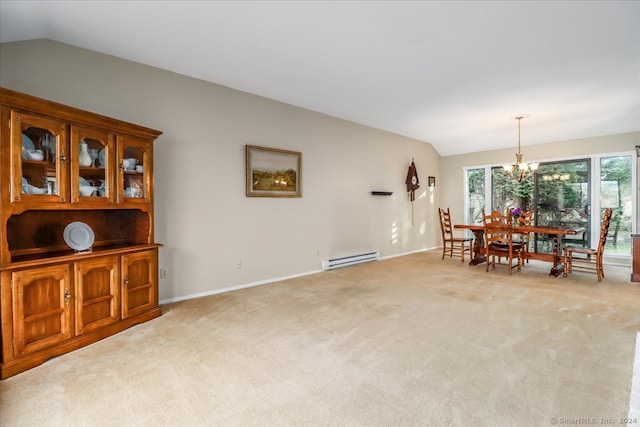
{"points": [[37, 162], [69, 255]]}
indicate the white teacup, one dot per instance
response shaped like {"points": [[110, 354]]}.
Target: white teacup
{"points": [[139, 168], [130, 192], [130, 163], [87, 190]]}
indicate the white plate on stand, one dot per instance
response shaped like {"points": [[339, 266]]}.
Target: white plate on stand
{"points": [[78, 236]]}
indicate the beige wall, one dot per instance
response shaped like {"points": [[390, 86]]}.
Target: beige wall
{"points": [[452, 166], [202, 215]]}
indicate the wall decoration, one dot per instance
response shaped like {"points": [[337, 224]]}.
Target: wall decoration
{"points": [[412, 181], [271, 172], [432, 181]]}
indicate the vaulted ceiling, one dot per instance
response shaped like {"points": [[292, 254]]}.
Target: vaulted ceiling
{"points": [[451, 73]]}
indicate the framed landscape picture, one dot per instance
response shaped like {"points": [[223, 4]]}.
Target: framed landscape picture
{"points": [[272, 172]]}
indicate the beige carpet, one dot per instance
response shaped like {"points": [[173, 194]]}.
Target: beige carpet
{"points": [[409, 341]]}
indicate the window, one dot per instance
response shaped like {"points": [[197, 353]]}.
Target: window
{"points": [[475, 195], [569, 192], [616, 192], [562, 198]]}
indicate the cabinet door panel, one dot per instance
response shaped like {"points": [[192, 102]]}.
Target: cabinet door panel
{"points": [[42, 309], [97, 293], [92, 183], [135, 171], [139, 282], [40, 159]]}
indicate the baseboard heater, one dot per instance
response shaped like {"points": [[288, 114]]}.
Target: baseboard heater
{"points": [[328, 264]]}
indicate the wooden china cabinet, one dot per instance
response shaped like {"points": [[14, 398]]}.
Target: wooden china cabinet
{"points": [[60, 165]]}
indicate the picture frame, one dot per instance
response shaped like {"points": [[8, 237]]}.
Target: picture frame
{"points": [[432, 181], [272, 172]]}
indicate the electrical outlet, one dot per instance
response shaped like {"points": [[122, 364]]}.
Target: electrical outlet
{"points": [[163, 273], [238, 264]]}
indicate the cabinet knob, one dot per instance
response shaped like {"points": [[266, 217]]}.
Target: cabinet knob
{"points": [[67, 296], [126, 282]]}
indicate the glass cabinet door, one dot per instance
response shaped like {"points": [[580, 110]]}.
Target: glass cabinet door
{"points": [[40, 159], [92, 154], [135, 172]]}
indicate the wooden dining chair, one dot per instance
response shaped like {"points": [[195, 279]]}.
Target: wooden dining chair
{"points": [[587, 259], [499, 243], [454, 245]]}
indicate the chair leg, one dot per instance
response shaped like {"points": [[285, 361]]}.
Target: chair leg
{"points": [[520, 264], [444, 249], [599, 268]]}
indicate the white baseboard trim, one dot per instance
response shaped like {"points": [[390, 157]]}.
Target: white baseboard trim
{"points": [[634, 400], [235, 288], [264, 282], [409, 253]]}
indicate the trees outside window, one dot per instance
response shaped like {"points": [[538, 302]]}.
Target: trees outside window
{"points": [[475, 194]]}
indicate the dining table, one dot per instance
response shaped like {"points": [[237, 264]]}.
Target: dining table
{"points": [[554, 232]]}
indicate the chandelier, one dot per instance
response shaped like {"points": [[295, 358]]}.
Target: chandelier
{"points": [[520, 169]]}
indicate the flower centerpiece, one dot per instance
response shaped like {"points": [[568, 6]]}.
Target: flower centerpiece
{"points": [[516, 214]]}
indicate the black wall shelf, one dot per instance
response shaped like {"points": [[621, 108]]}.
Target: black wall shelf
{"points": [[381, 193]]}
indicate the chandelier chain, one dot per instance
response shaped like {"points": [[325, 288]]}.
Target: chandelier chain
{"points": [[520, 169]]}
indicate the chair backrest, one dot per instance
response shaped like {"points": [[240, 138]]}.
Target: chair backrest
{"points": [[494, 216], [497, 229], [525, 218], [604, 229], [445, 224]]}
